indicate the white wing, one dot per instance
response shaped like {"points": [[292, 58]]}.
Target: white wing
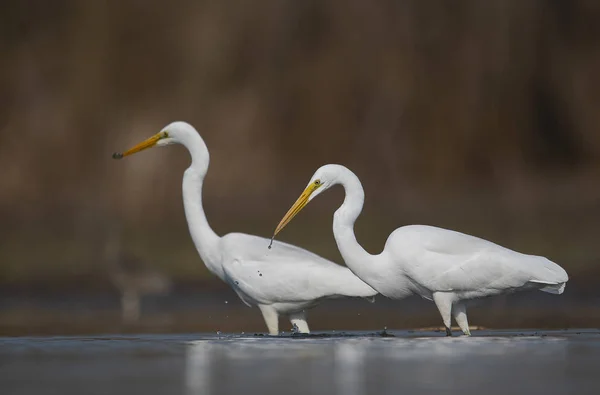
{"points": [[444, 260], [285, 273]]}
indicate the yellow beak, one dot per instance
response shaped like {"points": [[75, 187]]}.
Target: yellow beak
{"points": [[295, 209], [151, 142]]}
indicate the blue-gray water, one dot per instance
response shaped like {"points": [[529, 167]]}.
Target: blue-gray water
{"points": [[491, 362]]}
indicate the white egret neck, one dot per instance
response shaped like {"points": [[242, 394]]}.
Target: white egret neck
{"points": [[366, 266], [204, 238]]}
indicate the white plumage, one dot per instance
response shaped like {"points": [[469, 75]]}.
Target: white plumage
{"points": [[282, 280], [442, 265], [285, 274]]}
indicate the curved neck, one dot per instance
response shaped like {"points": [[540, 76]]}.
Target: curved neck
{"points": [[355, 256], [205, 239]]}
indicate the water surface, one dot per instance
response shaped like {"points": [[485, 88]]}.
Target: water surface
{"points": [[409, 362]]}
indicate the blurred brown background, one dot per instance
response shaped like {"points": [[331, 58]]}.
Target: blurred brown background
{"points": [[471, 115]]}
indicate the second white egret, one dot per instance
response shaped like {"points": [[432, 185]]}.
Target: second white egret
{"points": [[442, 265]]}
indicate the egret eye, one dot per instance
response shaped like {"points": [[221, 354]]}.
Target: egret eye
{"points": [[165, 135], [317, 182]]}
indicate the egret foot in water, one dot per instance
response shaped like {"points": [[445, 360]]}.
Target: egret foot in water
{"points": [[299, 323], [443, 301], [459, 310], [271, 318]]}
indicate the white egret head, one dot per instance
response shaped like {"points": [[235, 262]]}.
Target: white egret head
{"points": [[174, 133], [324, 178]]}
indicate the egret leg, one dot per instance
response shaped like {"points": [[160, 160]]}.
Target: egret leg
{"points": [[443, 301], [459, 310], [271, 318], [298, 321]]}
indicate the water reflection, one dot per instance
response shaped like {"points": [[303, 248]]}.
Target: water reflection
{"points": [[256, 366], [354, 365], [198, 368], [349, 367], [357, 366]]}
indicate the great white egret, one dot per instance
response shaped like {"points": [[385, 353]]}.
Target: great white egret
{"points": [[286, 280], [442, 265]]}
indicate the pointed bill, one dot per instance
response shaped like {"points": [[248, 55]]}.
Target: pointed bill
{"points": [[149, 143], [296, 208]]}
